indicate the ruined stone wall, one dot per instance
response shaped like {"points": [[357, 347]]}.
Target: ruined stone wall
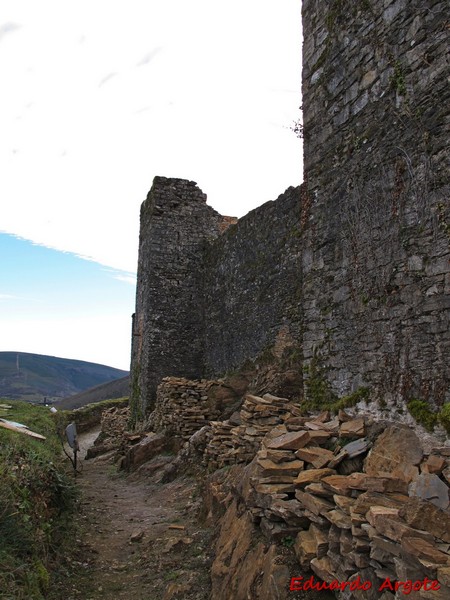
{"points": [[168, 327], [205, 304], [376, 273], [253, 286]]}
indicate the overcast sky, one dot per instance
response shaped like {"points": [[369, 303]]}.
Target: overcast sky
{"points": [[100, 96]]}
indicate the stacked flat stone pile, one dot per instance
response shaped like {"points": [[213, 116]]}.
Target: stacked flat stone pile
{"points": [[113, 435], [114, 421], [233, 442], [381, 513], [183, 406], [354, 504]]}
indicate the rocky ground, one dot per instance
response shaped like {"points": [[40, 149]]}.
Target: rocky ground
{"points": [[143, 538], [138, 539], [342, 496]]}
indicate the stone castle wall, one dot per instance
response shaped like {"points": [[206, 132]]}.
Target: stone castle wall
{"points": [[350, 272], [253, 285], [376, 271]]}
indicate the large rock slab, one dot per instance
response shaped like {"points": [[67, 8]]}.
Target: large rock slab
{"points": [[269, 468], [290, 511], [319, 436], [425, 551], [148, 448], [317, 456], [425, 515], [356, 448], [339, 518], [276, 456], [362, 481], [429, 487], [444, 575], [234, 546], [338, 484], [353, 429], [387, 522], [312, 476], [397, 447], [305, 548], [290, 441], [313, 503], [323, 569], [368, 499], [434, 464]]}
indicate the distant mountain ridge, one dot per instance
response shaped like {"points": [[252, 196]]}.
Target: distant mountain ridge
{"points": [[34, 377], [119, 388]]}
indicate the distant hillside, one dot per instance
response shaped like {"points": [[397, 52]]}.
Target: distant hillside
{"points": [[106, 391], [33, 377]]}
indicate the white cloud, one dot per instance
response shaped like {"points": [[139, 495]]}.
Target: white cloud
{"points": [[84, 130], [202, 109], [8, 28], [148, 57], [107, 78]]}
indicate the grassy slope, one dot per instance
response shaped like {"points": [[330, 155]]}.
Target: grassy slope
{"points": [[49, 376], [37, 498]]}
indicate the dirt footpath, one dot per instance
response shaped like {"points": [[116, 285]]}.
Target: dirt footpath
{"points": [[139, 539]]}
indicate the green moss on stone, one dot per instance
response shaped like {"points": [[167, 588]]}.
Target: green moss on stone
{"points": [[360, 395], [421, 412], [320, 396], [318, 389], [444, 417]]}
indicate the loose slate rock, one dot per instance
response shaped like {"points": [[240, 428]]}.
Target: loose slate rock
{"points": [[429, 487], [424, 515], [290, 441], [353, 428], [357, 447], [312, 476]]}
